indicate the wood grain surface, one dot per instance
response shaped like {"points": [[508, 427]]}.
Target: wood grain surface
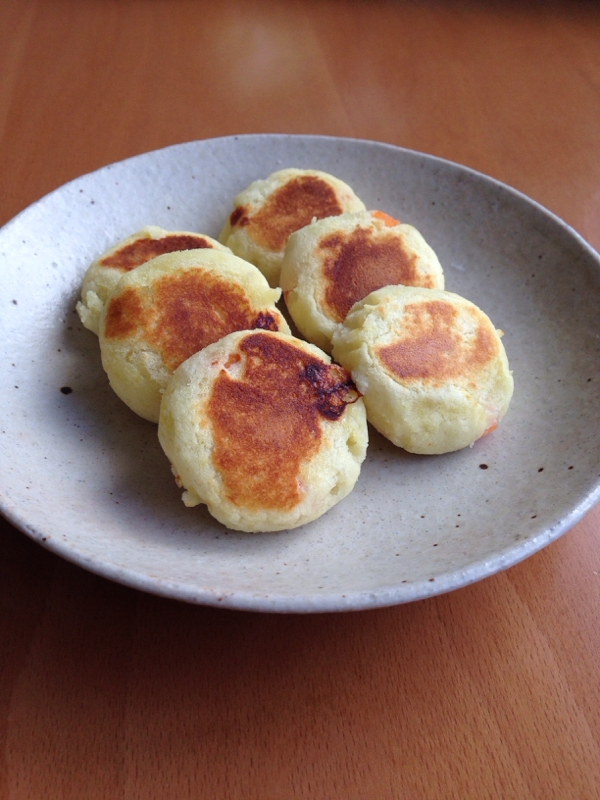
{"points": [[492, 691]]}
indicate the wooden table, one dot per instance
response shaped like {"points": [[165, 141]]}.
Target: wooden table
{"points": [[492, 691]]}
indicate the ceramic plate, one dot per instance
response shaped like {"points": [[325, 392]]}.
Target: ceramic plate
{"points": [[85, 477]]}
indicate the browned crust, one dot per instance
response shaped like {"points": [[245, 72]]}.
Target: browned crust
{"points": [[430, 348], [267, 424], [183, 312], [143, 249], [287, 209], [357, 263]]}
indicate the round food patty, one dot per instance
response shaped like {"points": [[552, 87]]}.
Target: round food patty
{"points": [[169, 308], [430, 364], [269, 210], [264, 429], [106, 271], [335, 262]]}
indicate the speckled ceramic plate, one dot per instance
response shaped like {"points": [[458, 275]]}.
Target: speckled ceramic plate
{"points": [[85, 477]]}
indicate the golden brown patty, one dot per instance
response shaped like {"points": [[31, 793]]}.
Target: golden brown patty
{"points": [[262, 428], [171, 307], [268, 211], [104, 274], [430, 364], [332, 264]]}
